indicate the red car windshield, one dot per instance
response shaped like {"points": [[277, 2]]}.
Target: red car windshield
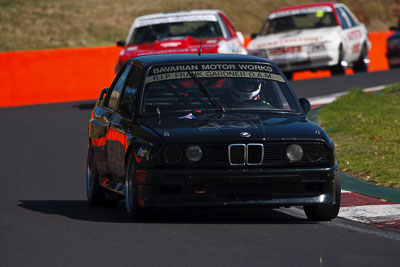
{"points": [[196, 29]]}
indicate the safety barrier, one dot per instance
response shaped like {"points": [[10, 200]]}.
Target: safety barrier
{"points": [[61, 75]]}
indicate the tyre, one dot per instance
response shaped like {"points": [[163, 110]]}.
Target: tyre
{"points": [[363, 61], [339, 68], [289, 75], [325, 213], [95, 193], [131, 191]]}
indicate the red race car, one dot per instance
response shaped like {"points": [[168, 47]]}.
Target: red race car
{"points": [[181, 32]]}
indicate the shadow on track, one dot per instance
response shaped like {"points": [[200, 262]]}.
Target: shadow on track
{"points": [[80, 210], [85, 106]]}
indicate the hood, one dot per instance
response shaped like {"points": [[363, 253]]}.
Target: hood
{"points": [[292, 38], [171, 45], [227, 127], [395, 35]]}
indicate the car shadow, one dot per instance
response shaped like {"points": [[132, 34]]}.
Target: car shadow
{"points": [[85, 105], [81, 210]]}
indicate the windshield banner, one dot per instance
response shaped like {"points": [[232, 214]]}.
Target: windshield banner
{"points": [[213, 70], [293, 12], [173, 19]]}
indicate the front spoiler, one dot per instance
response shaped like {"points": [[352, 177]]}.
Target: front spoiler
{"points": [[236, 187]]}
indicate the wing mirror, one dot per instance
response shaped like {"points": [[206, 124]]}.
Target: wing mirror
{"points": [[101, 97], [120, 43], [240, 36], [305, 104], [253, 35]]}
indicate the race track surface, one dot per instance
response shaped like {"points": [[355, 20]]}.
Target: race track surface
{"points": [[46, 221]]}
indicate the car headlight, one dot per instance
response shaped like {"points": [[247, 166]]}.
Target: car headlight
{"points": [[393, 44], [315, 153], [294, 153], [223, 48], [194, 153], [173, 154]]}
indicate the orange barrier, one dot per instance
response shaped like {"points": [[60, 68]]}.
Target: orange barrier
{"points": [[61, 75]]}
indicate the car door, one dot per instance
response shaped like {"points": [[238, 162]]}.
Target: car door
{"points": [[99, 126], [235, 40], [351, 34], [121, 125], [357, 34], [107, 112]]}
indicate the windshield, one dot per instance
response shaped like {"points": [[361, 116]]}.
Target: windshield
{"points": [[196, 29], [300, 19], [202, 88]]}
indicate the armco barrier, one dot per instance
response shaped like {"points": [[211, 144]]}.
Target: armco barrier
{"points": [[60, 75]]}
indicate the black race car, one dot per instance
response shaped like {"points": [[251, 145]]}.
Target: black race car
{"points": [[211, 130], [393, 49]]}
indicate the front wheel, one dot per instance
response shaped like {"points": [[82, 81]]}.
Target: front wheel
{"points": [[95, 193], [289, 75], [340, 67], [131, 191], [363, 61], [325, 213]]}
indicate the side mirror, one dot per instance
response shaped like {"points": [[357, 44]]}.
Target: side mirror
{"points": [[240, 36], [305, 104], [121, 43], [101, 97], [253, 35]]}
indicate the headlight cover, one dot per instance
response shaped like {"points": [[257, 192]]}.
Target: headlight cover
{"points": [[294, 153], [315, 153], [194, 153], [173, 154]]}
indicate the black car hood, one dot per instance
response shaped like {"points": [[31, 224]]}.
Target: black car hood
{"points": [[234, 127]]}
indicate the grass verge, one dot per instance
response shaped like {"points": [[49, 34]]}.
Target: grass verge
{"points": [[366, 131]]}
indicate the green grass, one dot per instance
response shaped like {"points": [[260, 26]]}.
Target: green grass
{"points": [[40, 24], [366, 131]]}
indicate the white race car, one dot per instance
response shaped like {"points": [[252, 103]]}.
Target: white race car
{"points": [[312, 37]]}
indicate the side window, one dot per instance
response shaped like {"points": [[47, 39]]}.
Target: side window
{"points": [[226, 26], [342, 18], [350, 17], [116, 91], [129, 94]]}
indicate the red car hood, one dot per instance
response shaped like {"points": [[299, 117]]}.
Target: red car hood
{"points": [[169, 46]]}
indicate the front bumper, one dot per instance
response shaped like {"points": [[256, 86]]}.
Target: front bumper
{"points": [[393, 57], [236, 187]]}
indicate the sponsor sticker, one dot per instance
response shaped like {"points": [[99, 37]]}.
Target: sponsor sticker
{"points": [[172, 19], [316, 10], [213, 70], [319, 14], [189, 116]]}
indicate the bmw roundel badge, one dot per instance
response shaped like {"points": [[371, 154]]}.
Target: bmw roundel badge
{"points": [[245, 134]]}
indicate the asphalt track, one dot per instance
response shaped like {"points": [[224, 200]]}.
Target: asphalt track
{"points": [[46, 221]]}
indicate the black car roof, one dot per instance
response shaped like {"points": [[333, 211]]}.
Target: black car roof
{"points": [[148, 60]]}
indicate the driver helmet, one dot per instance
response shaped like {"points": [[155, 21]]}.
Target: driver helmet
{"points": [[246, 89]]}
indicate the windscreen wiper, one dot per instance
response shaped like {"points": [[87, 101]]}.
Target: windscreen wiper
{"points": [[207, 93]]}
